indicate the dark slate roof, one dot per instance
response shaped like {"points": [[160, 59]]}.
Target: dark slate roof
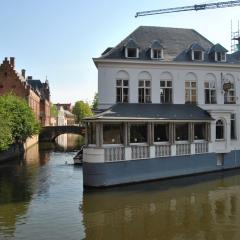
{"points": [[218, 48], [196, 47], [138, 111], [35, 84], [234, 57], [175, 41], [131, 43], [156, 45]]}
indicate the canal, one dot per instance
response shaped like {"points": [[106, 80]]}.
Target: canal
{"points": [[42, 197]]}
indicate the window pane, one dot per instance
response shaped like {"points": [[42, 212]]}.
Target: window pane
{"points": [[138, 133], [119, 95], [181, 131], [119, 83], [169, 83], [112, 134], [132, 52], [141, 95], [162, 83], [199, 131], [193, 84], [125, 83], [148, 83], [187, 84], [141, 83], [233, 126], [161, 132], [219, 130]]}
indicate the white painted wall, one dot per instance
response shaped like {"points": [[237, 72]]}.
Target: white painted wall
{"points": [[108, 71]]}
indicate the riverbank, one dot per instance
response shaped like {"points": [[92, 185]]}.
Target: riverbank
{"points": [[17, 150]]}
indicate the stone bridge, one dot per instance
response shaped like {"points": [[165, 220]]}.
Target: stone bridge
{"points": [[49, 133]]}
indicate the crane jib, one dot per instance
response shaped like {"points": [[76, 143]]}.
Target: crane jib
{"points": [[196, 7]]}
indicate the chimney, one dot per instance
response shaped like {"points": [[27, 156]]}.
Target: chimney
{"points": [[12, 61], [29, 78], [23, 73]]}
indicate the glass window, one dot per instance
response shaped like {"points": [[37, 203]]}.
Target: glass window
{"points": [[122, 91], [220, 56], [112, 133], [91, 131], [200, 131], [233, 126], [144, 91], [197, 55], [161, 132], [132, 52], [210, 92], [181, 131], [191, 92], [166, 91], [138, 133], [157, 53], [229, 94], [219, 130]]}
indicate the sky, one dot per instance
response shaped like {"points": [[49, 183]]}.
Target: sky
{"points": [[57, 39]]}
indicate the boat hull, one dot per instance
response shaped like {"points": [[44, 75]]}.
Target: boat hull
{"points": [[124, 172]]}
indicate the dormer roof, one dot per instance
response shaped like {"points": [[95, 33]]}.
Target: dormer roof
{"points": [[196, 47], [218, 48], [156, 45], [131, 43]]}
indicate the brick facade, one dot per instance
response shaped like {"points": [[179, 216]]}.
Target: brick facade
{"points": [[37, 98]]}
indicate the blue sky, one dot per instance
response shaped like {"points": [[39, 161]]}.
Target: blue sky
{"points": [[59, 38]]}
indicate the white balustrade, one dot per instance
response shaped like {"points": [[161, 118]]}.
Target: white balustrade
{"points": [[162, 150], [114, 154], [139, 152], [201, 147], [183, 149]]}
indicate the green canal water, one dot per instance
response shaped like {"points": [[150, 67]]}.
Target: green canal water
{"points": [[42, 197]]}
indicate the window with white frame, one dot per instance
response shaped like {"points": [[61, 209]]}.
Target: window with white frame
{"points": [[144, 91], [157, 53], [210, 92], [191, 92], [131, 52], [229, 95], [233, 126], [166, 91], [197, 55], [219, 130], [122, 91], [220, 56]]}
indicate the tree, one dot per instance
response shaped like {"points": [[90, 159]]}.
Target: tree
{"points": [[81, 110], [19, 116], [5, 133], [95, 101]]}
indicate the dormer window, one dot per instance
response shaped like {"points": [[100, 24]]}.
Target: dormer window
{"points": [[131, 53], [220, 56], [197, 52], [157, 54], [197, 55], [131, 49], [217, 53], [156, 50]]}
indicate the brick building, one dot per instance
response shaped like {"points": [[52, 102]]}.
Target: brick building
{"points": [[36, 93]]}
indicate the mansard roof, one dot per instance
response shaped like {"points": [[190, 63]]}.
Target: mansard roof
{"points": [[175, 41], [139, 111]]}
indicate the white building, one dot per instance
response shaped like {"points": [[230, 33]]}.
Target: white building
{"points": [[170, 101]]}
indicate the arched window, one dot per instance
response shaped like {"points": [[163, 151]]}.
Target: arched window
{"points": [[144, 87], [229, 94], [219, 130], [122, 87], [210, 89], [191, 88], [166, 87]]}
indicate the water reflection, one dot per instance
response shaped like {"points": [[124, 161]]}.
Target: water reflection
{"points": [[191, 208], [69, 141]]}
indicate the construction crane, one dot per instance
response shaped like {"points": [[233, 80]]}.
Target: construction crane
{"points": [[196, 7]]}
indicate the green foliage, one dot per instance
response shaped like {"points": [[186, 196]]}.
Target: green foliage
{"points": [[19, 117], [5, 133], [53, 111], [81, 110], [95, 101]]}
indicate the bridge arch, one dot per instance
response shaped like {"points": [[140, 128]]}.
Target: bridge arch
{"points": [[50, 133]]}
